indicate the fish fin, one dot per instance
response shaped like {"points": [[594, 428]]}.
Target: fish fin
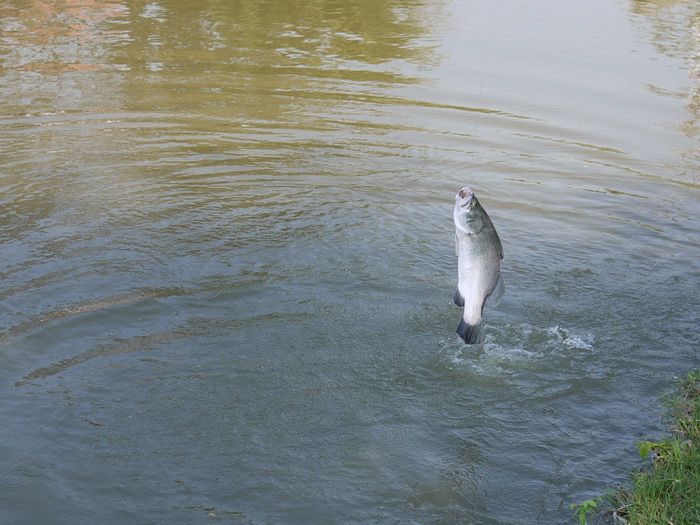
{"points": [[498, 292], [459, 300], [471, 334]]}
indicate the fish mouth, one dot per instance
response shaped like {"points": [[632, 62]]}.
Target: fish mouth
{"points": [[464, 196]]}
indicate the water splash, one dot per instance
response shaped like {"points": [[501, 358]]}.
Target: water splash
{"points": [[571, 339], [514, 347]]}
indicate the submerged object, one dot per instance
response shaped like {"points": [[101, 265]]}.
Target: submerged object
{"points": [[479, 254]]}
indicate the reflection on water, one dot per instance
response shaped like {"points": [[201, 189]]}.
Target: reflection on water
{"points": [[57, 37], [257, 45], [674, 28], [228, 260]]}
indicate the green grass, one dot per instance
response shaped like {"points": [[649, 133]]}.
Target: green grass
{"points": [[668, 490]]}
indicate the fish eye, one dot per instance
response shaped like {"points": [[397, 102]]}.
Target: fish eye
{"points": [[473, 204]]}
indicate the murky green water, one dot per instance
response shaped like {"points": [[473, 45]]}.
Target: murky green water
{"points": [[228, 262]]}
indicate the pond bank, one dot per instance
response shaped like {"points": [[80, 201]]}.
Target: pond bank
{"points": [[668, 490]]}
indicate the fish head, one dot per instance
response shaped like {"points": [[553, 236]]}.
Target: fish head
{"points": [[465, 197], [468, 215]]}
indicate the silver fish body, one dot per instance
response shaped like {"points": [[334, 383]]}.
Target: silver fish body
{"points": [[479, 254]]}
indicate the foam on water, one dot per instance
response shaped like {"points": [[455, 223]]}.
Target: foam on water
{"points": [[516, 346]]}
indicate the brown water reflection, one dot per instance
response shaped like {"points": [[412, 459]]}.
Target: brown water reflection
{"points": [[673, 26], [65, 36], [57, 37]]}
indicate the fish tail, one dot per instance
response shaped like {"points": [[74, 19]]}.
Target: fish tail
{"points": [[472, 334]]}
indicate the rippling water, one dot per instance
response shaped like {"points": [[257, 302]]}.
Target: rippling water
{"points": [[228, 256]]}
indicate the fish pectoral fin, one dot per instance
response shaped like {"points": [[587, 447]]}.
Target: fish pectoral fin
{"points": [[459, 300], [498, 292], [471, 334]]}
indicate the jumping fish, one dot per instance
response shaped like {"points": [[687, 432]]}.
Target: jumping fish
{"points": [[479, 254]]}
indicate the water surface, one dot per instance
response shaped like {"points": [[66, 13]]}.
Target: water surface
{"points": [[228, 256]]}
